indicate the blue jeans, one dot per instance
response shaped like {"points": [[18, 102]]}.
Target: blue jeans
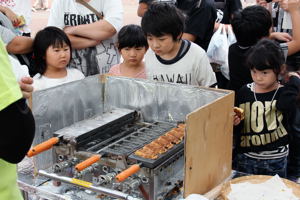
{"points": [[271, 167]]}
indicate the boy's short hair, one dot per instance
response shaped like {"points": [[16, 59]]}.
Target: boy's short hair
{"points": [[266, 54], [251, 24], [131, 36], [163, 18], [49, 36]]}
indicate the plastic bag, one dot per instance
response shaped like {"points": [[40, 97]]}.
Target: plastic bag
{"points": [[218, 47], [231, 39], [231, 36]]}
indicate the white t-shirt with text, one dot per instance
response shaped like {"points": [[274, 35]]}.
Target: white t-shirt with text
{"points": [[192, 69]]}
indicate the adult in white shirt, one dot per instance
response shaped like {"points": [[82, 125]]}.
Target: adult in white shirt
{"points": [[92, 38]]}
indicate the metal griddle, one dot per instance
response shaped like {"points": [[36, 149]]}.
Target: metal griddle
{"points": [[99, 131], [134, 141], [152, 163]]}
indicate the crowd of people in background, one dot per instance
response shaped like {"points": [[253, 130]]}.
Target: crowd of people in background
{"points": [[85, 38]]}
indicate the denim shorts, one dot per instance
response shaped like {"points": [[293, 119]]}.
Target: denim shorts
{"points": [[243, 163]]}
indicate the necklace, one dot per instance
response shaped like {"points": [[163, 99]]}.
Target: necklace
{"points": [[254, 94]]}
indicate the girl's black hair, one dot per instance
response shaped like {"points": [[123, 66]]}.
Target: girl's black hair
{"points": [[49, 36], [163, 18], [131, 36], [266, 54]]}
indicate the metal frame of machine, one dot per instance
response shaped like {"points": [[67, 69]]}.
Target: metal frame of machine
{"points": [[105, 117]]}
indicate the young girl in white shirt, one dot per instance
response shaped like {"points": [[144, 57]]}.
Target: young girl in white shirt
{"points": [[52, 53]]}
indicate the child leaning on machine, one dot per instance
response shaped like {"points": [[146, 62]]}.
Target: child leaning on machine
{"points": [[261, 139], [132, 45], [52, 54]]}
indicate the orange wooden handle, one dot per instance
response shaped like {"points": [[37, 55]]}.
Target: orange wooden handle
{"points": [[88, 162], [42, 147], [128, 172]]}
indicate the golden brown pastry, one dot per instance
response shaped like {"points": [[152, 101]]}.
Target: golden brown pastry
{"points": [[239, 112]]}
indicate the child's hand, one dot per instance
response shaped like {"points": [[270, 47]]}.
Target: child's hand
{"points": [[238, 115], [236, 120]]}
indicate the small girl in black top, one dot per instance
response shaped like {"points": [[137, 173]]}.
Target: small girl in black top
{"points": [[262, 137]]}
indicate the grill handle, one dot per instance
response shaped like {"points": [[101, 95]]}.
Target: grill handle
{"points": [[42, 147], [88, 162], [128, 172]]}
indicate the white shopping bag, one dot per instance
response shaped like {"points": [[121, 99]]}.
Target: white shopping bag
{"points": [[231, 39], [218, 47]]}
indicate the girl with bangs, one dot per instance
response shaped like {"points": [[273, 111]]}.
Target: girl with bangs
{"points": [[261, 139], [132, 45], [52, 53]]}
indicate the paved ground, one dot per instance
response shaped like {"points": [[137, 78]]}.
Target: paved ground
{"points": [[40, 18]]}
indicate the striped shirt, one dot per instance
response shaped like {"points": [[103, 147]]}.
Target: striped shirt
{"points": [[280, 152]]}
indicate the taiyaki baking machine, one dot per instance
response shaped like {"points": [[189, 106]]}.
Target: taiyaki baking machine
{"points": [[129, 146]]}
